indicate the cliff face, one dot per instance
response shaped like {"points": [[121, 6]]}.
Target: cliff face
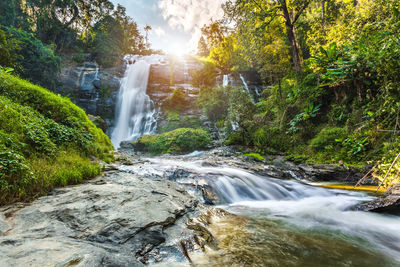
{"points": [[96, 89], [92, 88], [170, 75]]}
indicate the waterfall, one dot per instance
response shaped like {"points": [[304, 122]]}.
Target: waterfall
{"points": [[135, 112], [225, 80], [244, 83]]}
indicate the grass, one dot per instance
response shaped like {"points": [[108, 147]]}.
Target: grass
{"points": [[45, 141]]}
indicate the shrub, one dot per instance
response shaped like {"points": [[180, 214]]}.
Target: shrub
{"points": [[328, 138], [204, 76], [176, 102], [173, 122], [178, 141]]}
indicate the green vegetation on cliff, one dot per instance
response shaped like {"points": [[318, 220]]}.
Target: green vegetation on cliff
{"points": [[45, 141], [333, 68], [177, 141]]}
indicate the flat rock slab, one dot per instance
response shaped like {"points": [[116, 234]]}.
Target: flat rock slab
{"points": [[118, 220]]}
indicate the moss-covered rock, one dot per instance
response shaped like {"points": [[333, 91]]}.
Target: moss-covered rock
{"points": [[181, 140]]}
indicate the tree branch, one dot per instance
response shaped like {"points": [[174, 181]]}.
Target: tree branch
{"points": [[300, 11]]}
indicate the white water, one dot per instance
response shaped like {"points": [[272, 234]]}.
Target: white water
{"points": [[244, 83], [293, 202], [135, 112], [225, 80]]}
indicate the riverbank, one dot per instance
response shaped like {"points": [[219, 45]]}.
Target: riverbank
{"points": [[203, 208]]}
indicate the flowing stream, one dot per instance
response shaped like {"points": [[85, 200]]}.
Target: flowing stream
{"points": [[136, 114], [289, 223]]}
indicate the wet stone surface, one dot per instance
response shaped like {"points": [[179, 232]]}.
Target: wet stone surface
{"points": [[118, 220]]}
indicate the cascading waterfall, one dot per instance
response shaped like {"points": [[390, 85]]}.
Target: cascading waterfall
{"points": [[136, 114], [290, 201], [225, 80], [244, 83]]}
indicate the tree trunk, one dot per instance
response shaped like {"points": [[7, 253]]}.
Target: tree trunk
{"points": [[291, 35]]}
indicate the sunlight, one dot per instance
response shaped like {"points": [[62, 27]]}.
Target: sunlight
{"points": [[178, 49]]}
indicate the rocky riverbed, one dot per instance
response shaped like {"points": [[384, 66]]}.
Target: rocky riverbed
{"points": [[204, 208]]}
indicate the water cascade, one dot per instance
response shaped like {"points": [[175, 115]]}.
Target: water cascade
{"points": [[225, 80], [300, 207], [244, 83], [135, 111]]}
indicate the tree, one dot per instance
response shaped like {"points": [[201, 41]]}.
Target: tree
{"points": [[147, 28], [202, 48], [8, 51], [214, 32], [268, 11]]}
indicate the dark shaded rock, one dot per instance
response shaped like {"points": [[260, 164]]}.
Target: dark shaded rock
{"points": [[388, 203], [126, 145], [330, 172]]}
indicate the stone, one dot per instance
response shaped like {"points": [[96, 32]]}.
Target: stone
{"points": [[119, 221]]}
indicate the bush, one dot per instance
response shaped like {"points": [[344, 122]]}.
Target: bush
{"points": [[328, 138], [174, 122], [214, 102], [176, 102], [181, 140], [204, 76], [267, 138]]}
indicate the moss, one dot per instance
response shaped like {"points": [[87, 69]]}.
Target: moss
{"points": [[181, 140], [255, 156]]}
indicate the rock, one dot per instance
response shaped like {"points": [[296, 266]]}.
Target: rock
{"points": [[126, 145], [92, 88], [329, 172], [388, 203], [119, 221]]}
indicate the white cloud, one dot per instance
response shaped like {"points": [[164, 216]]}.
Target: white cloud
{"points": [[159, 31], [190, 15]]}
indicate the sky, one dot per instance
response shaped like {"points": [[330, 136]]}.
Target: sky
{"points": [[175, 24]]}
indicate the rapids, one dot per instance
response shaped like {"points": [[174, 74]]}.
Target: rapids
{"points": [[317, 214]]}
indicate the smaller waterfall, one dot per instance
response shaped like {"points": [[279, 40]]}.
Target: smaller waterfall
{"points": [[225, 80], [135, 114], [244, 83]]}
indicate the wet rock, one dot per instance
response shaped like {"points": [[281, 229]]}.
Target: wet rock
{"points": [[120, 221], [330, 172], [388, 203], [92, 88], [126, 145]]}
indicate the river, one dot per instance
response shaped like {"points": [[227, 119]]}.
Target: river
{"points": [[284, 222]]}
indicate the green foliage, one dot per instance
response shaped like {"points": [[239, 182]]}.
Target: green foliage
{"points": [[45, 141], [241, 113], [204, 77], [107, 41], [176, 102], [270, 139], [328, 139], [175, 122], [181, 140], [308, 113], [214, 102], [8, 50], [38, 62]]}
